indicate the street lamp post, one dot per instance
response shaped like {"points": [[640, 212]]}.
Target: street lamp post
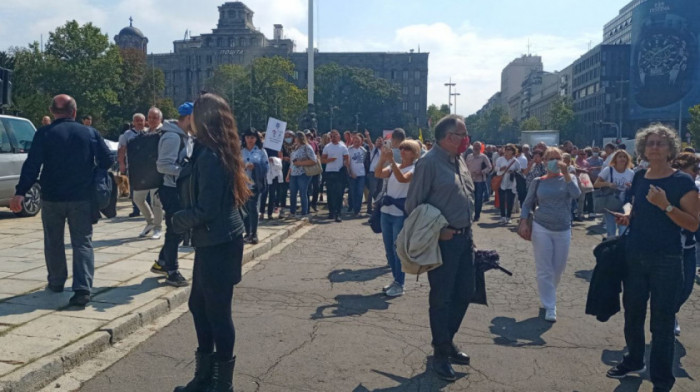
{"points": [[455, 94], [449, 93], [617, 128]]}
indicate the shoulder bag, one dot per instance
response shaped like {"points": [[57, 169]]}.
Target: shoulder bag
{"points": [[607, 198], [530, 218], [314, 169], [497, 179]]}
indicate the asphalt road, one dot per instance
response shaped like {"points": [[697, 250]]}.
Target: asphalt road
{"points": [[312, 318]]}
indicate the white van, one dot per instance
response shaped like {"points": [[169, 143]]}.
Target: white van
{"points": [[16, 135]]}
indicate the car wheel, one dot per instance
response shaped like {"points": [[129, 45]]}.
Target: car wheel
{"points": [[32, 202]]}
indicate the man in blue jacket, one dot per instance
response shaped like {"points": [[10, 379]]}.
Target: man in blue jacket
{"points": [[65, 152]]}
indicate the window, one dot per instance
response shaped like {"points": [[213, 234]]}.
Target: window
{"points": [[22, 133], [416, 106], [5, 146], [416, 75], [393, 75], [405, 106], [209, 59], [405, 90], [405, 75], [416, 90]]}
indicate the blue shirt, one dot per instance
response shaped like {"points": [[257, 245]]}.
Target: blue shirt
{"points": [[255, 156]]}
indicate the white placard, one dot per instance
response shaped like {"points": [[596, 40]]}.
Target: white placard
{"points": [[387, 133], [274, 136]]}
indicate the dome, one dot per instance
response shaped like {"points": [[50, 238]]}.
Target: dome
{"points": [[131, 30]]}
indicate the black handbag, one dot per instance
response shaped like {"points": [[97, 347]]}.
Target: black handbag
{"points": [[375, 220], [606, 198]]}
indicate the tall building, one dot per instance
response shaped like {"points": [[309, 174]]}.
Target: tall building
{"points": [[236, 40], [512, 78], [619, 30], [131, 38]]}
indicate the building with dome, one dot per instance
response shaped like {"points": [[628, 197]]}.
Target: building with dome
{"points": [[131, 38], [236, 40]]}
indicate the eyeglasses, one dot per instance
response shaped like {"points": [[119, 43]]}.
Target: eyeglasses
{"points": [[660, 143], [460, 134]]}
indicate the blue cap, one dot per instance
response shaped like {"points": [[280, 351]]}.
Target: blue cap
{"points": [[185, 109]]}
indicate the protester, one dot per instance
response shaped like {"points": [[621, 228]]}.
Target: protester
{"points": [[46, 120], [664, 201], [335, 156], [153, 211], [507, 166], [584, 203], [479, 166], [302, 155], [274, 178], [374, 184], [536, 167], [609, 150], [618, 176], [87, 120], [441, 179], [393, 209], [63, 158], [315, 184], [551, 227], [173, 147], [211, 212], [357, 154], [256, 167], [138, 121], [283, 187]]}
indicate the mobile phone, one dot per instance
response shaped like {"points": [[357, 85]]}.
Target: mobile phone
{"points": [[387, 143], [613, 213]]}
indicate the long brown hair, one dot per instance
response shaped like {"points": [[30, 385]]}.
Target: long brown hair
{"points": [[215, 127]]}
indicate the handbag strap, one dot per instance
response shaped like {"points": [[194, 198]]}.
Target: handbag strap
{"points": [[508, 167]]}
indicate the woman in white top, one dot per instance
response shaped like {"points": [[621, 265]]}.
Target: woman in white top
{"points": [[507, 166], [617, 176], [393, 213]]}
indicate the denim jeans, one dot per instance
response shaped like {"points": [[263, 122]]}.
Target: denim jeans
{"points": [[299, 184], [659, 277], [216, 270], [171, 204], [357, 189], [688, 276], [612, 229], [314, 190], [451, 288], [479, 192], [335, 185], [78, 214], [391, 226], [251, 221]]}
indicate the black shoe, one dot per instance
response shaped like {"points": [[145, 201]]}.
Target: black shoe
{"points": [[134, 214], [476, 219], [254, 239], [443, 369], [222, 376], [314, 208], [80, 298], [622, 371], [458, 357], [56, 288], [247, 238], [202, 374], [338, 218], [176, 279], [331, 216]]}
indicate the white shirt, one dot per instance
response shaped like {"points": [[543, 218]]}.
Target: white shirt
{"points": [[619, 179], [337, 151], [522, 160], [506, 183], [357, 160], [397, 190], [374, 159]]}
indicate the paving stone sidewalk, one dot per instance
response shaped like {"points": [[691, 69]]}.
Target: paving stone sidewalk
{"points": [[41, 337]]}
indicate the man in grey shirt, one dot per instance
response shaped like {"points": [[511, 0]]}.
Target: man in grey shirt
{"points": [[442, 179]]}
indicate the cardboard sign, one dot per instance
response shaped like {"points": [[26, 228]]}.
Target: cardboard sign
{"points": [[274, 136], [387, 134]]}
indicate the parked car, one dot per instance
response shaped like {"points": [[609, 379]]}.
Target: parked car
{"points": [[16, 135]]}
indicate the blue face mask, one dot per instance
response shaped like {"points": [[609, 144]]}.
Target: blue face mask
{"points": [[553, 166], [287, 140]]}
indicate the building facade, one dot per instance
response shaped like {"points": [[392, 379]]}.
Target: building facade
{"points": [[236, 40], [512, 78], [619, 30]]}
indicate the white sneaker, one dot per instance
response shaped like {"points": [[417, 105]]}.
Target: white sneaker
{"points": [[551, 315], [677, 328], [507, 220], [156, 234], [394, 291], [146, 230], [502, 220], [387, 287]]}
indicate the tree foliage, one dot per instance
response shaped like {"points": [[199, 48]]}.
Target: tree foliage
{"points": [[7, 59], [561, 117], [694, 125], [530, 124]]}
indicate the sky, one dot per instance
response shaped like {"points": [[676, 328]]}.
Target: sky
{"points": [[469, 41]]}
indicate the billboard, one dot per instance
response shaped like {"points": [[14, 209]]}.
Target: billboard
{"points": [[665, 63]]}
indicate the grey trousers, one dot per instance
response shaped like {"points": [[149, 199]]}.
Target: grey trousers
{"points": [[78, 214]]}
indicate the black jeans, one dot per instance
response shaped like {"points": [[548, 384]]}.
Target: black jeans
{"points": [[216, 270], [54, 215], [661, 277], [505, 202], [171, 204], [282, 189], [314, 190], [251, 221], [271, 194], [335, 182], [479, 192], [451, 288]]}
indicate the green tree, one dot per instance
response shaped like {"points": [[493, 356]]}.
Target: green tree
{"points": [[694, 125], [434, 115], [561, 117], [530, 124], [7, 59]]}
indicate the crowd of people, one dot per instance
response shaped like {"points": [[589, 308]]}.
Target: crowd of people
{"points": [[218, 184]]}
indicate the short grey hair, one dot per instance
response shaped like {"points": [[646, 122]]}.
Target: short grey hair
{"points": [[446, 125], [156, 110], [138, 115], [666, 133]]}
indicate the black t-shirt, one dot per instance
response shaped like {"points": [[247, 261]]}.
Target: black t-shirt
{"points": [[651, 229]]}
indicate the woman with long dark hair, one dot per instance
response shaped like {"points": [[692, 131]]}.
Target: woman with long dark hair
{"points": [[212, 186]]}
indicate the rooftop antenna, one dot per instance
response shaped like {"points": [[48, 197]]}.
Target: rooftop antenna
{"points": [[528, 46]]}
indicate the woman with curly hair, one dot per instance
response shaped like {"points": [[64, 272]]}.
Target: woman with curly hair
{"points": [[212, 187]]}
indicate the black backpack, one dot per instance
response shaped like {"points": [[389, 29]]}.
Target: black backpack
{"points": [[142, 154]]}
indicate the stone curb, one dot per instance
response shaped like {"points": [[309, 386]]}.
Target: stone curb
{"points": [[41, 372]]}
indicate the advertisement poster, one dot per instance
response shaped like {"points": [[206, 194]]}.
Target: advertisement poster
{"points": [[274, 136]]}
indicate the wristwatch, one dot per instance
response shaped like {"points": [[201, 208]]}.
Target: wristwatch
{"points": [[669, 208]]}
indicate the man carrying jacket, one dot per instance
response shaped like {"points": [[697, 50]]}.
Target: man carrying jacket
{"points": [[65, 153], [173, 147], [442, 179]]}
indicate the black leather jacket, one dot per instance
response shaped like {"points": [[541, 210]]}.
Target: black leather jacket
{"points": [[205, 192]]}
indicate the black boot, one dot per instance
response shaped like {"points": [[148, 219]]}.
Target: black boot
{"points": [[202, 374], [441, 363], [222, 376]]}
